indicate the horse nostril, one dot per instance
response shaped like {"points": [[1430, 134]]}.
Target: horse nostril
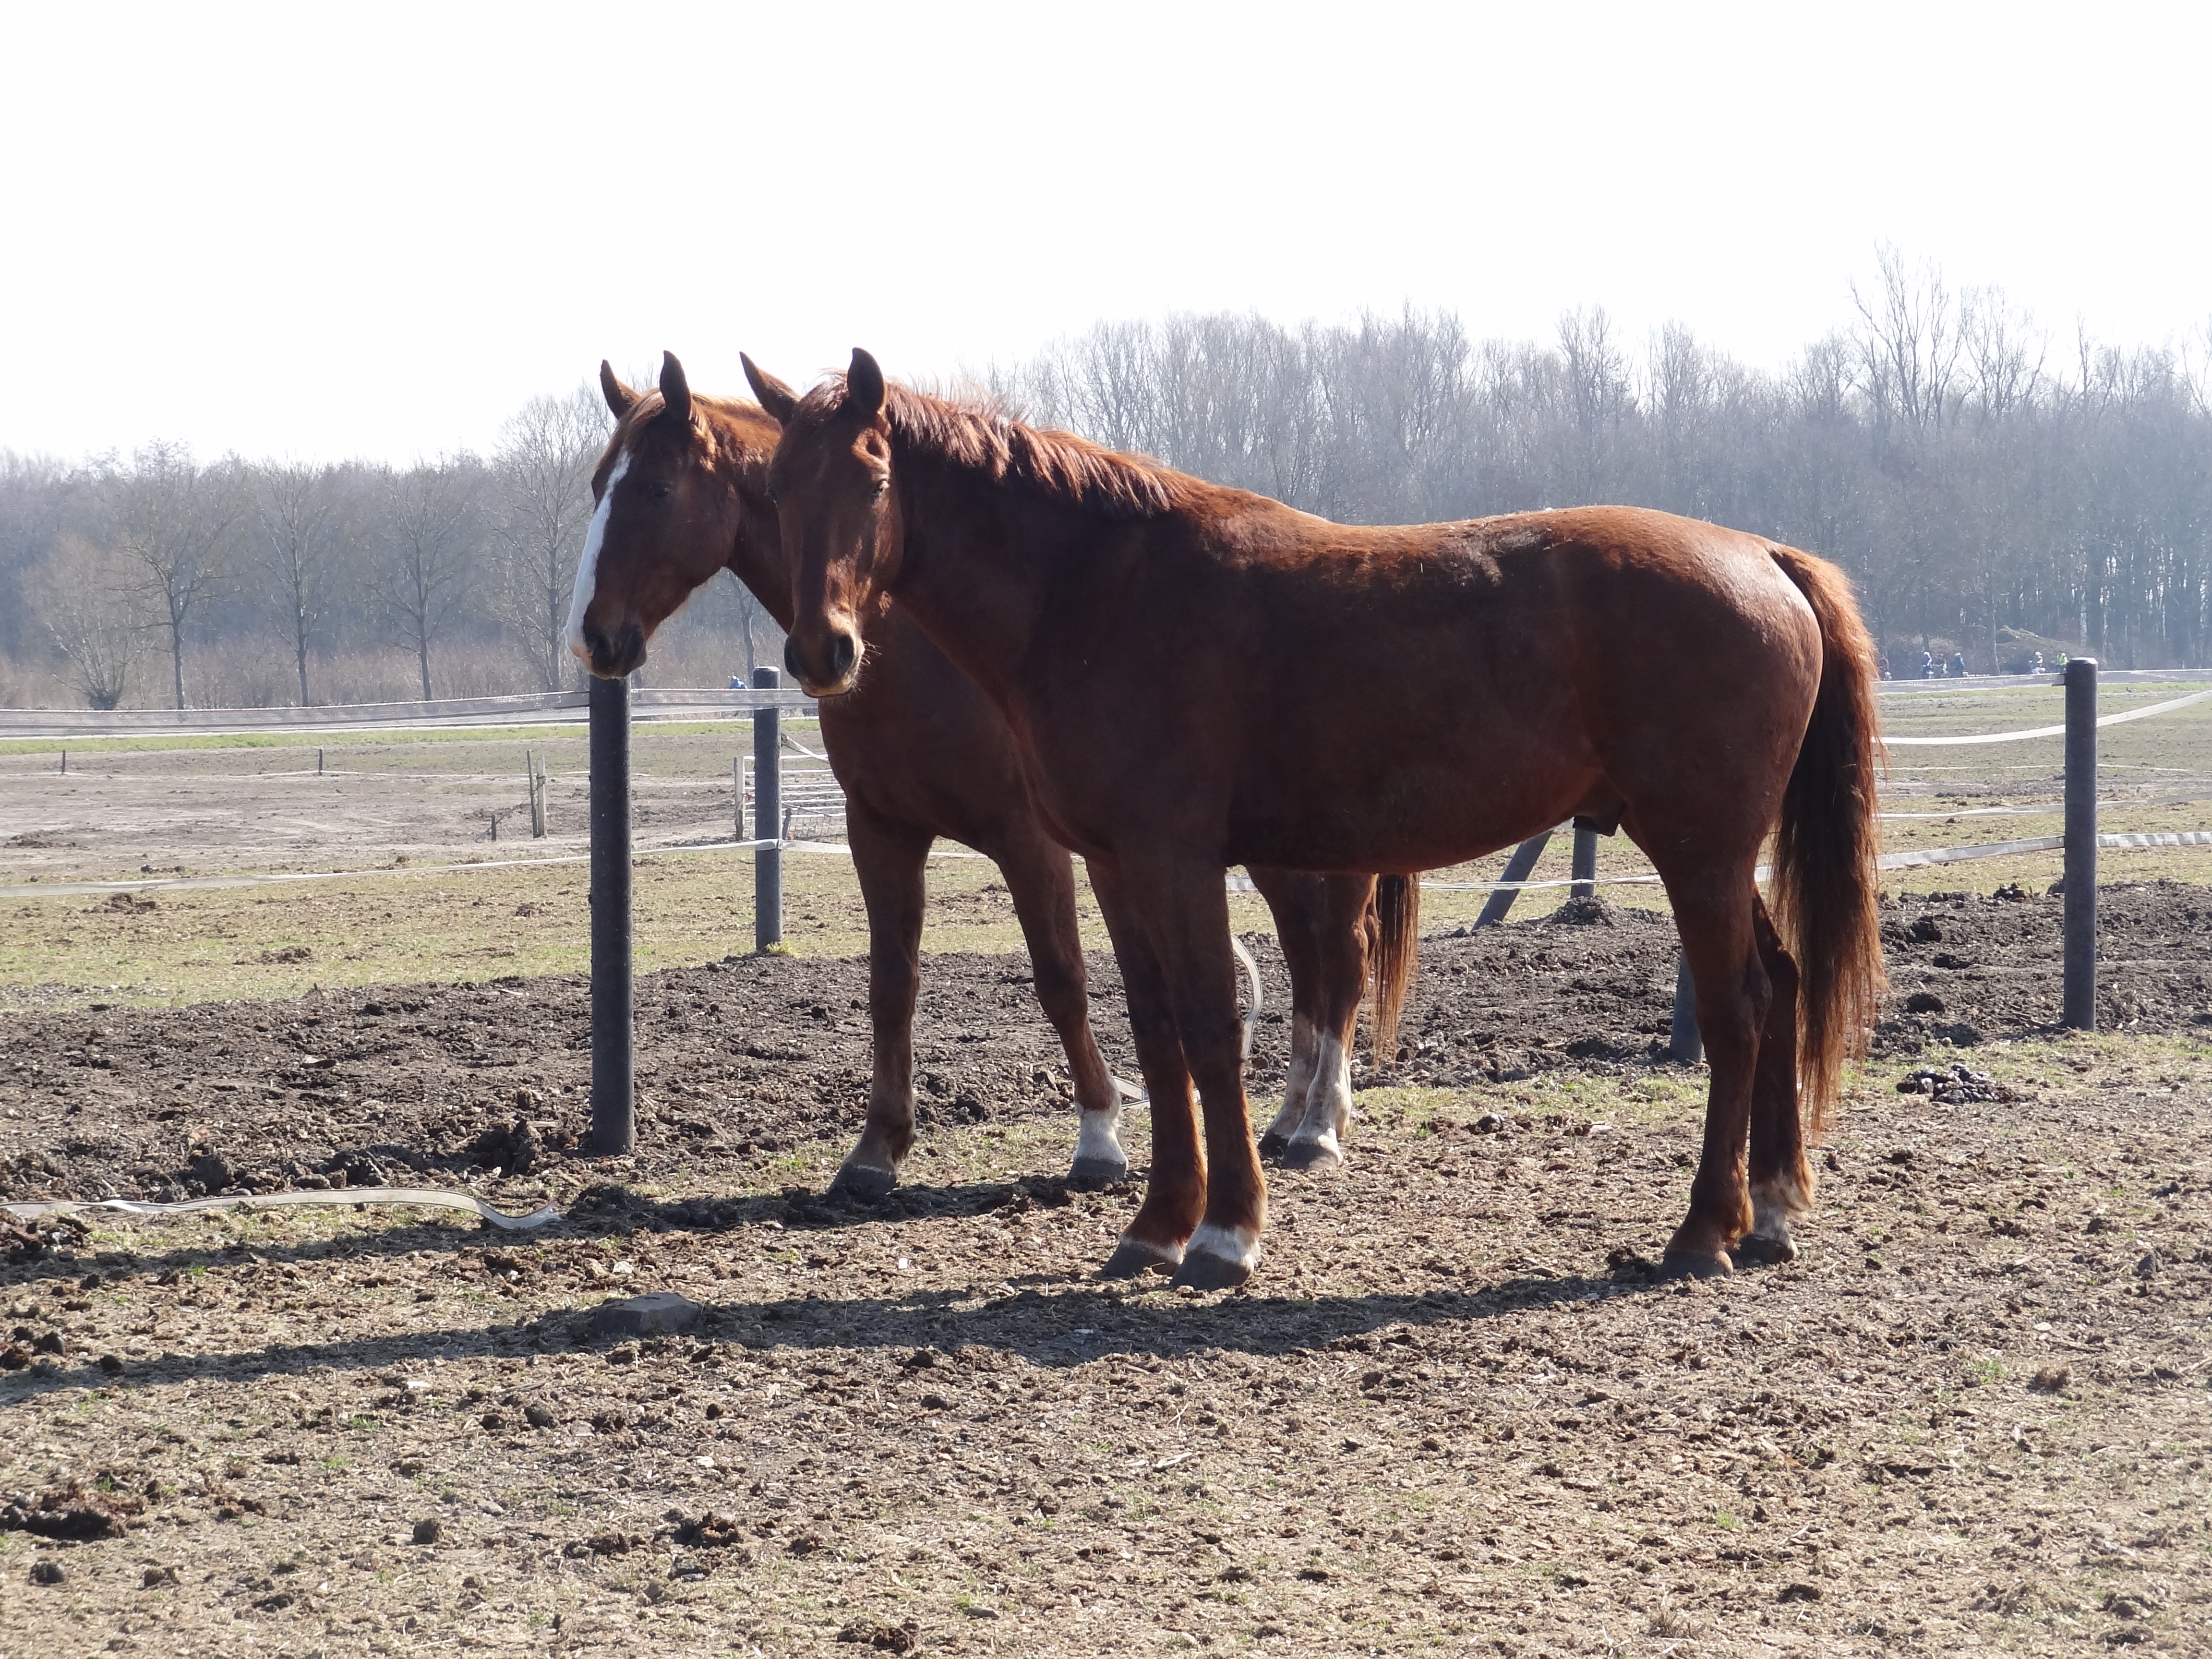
{"points": [[791, 660], [841, 655]]}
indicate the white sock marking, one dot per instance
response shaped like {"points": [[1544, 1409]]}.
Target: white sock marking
{"points": [[1328, 1097], [587, 568], [1094, 1137], [1298, 1081], [1237, 1244]]}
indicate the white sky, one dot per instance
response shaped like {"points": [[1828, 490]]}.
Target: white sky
{"points": [[336, 230]]}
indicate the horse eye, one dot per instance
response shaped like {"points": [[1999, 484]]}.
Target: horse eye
{"points": [[659, 491]]}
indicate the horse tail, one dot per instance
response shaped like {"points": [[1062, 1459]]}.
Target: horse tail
{"points": [[1826, 888], [1397, 907]]}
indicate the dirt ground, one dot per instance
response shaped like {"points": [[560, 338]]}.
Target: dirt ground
{"points": [[1453, 1412]]}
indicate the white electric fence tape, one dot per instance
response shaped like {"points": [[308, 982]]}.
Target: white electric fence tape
{"points": [[2058, 730], [422, 1197]]}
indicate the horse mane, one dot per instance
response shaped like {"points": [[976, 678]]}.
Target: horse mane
{"points": [[1039, 461]]}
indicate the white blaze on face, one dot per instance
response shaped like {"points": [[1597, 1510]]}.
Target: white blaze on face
{"points": [[587, 568]]}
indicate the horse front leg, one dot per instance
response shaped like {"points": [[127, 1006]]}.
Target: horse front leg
{"points": [[888, 858], [1175, 1195], [1186, 913], [1041, 880]]}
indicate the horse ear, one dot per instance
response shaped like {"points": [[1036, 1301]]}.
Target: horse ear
{"points": [[675, 389], [620, 399], [864, 385], [775, 395]]}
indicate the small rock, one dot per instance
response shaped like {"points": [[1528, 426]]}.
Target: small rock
{"points": [[48, 1571], [430, 1531], [493, 1420], [2052, 1379], [214, 1171], [1799, 1592], [1489, 1123], [112, 1364], [658, 1314], [538, 1417], [2149, 1265], [51, 1342], [1923, 1002], [15, 1357], [155, 1578]]}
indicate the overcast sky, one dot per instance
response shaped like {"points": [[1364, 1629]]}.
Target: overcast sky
{"points": [[339, 230]]}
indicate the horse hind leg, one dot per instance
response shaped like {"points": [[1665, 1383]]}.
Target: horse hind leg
{"points": [[1341, 975], [1782, 1181], [1295, 900], [1713, 911]]}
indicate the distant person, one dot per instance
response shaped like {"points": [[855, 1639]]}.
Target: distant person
{"points": [[738, 682], [2035, 663], [1927, 666], [1958, 664], [1882, 663]]}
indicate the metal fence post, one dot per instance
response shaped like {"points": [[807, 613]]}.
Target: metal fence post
{"points": [[1683, 1041], [614, 1077], [2080, 1003], [1585, 865], [768, 818], [1516, 869]]}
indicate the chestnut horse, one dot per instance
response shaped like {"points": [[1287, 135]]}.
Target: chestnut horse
{"points": [[1199, 677], [681, 493]]}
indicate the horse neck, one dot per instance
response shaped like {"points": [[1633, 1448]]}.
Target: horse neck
{"points": [[756, 554], [975, 587]]}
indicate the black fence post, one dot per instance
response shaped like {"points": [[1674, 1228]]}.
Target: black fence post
{"points": [[1516, 869], [768, 818], [2080, 1004], [1585, 865], [614, 1077], [1683, 1041]]}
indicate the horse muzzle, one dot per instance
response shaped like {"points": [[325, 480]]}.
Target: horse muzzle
{"points": [[830, 667], [611, 653]]}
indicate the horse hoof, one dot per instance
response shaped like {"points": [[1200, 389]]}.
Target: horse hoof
{"points": [[1765, 1251], [1205, 1270], [1219, 1257], [1133, 1257], [1271, 1145], [1315, 1154], [858, 1183], [1694, 1264], [1101, 1171]]}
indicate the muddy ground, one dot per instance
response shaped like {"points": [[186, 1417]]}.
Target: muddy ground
{"points": [[1453, 1412]]}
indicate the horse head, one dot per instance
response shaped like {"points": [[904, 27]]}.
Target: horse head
{"points": [[839, 515], [680, 493]]}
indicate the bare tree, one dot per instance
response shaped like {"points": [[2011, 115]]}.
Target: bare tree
{"points": [[172, 522], [546, 453], [303, 541], [432, 519], [85, 595]]}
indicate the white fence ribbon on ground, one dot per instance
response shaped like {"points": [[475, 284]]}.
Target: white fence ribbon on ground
{"points": [[432, 1198], [2058, 730]]}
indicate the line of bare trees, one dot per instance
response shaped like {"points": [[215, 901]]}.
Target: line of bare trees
{"points": [[160, 579], [1992, 490]]}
